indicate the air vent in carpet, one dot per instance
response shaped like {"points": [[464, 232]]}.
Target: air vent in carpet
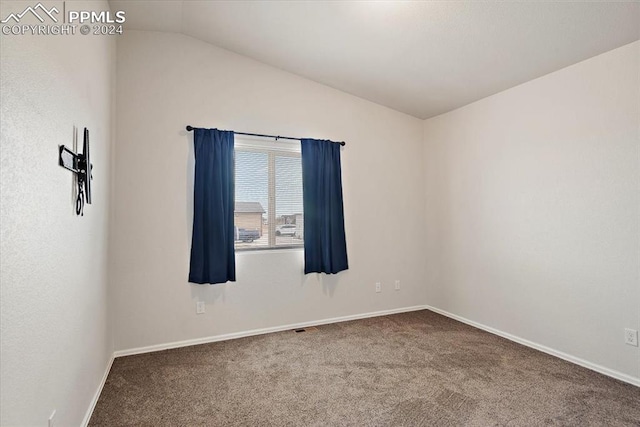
{"points": [[309, 329]]}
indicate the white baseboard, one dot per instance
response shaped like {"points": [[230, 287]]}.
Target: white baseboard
{"points": [[96, 396], [235, 335], [569, 358]]}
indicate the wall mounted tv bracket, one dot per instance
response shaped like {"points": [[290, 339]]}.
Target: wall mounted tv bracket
{"points": [[79, 164]]}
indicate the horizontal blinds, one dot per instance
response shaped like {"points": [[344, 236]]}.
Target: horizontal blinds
{"points": [[268, 194]]}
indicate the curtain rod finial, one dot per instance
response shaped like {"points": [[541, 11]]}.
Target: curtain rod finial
{"points": [[189, 128]]}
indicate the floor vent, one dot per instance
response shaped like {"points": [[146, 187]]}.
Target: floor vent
{"points": [[309, 329]]}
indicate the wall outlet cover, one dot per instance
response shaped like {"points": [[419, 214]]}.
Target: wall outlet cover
{"points": [[631, 337], [378, 287], [200, 308]]}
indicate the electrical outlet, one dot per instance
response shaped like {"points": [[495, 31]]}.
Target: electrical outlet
{"points": [[631, 337], [397, 285], [378, 287], [200, 307], [51, 418]]}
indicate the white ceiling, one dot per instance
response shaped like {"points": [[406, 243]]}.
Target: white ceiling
{"points": [[421, 58]]}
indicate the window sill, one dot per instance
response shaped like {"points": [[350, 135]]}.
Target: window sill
{"points": [[279, 249]]}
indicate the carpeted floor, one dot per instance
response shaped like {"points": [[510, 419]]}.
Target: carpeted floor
{"points": [[412, 369]]}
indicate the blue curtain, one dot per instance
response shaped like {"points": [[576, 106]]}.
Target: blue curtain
{"points": [[325, 246], [212, 251]]}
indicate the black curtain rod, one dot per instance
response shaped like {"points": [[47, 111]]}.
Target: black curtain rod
{"points": [[277, 137]]}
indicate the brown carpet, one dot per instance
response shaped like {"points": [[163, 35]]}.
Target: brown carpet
{"points": [[412, 369]]}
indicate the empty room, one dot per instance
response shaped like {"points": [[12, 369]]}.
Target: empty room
{"points": [[319, 213]]}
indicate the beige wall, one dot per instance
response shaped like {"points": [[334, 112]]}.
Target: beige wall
{"points": [[532, 210], [166, 81], [55, 339]]}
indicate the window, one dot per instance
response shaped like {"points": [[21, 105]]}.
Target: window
{"points": [[268, 193]]}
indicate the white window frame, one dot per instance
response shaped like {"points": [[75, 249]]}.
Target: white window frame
{"points": [[281, 148]]}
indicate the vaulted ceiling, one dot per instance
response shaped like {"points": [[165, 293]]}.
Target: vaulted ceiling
{"points": [[421, 58]]}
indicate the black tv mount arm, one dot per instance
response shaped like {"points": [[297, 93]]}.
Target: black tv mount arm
{"points": [[80, 164]]}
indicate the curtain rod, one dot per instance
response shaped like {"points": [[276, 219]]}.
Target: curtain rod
{"points": [[277, 137]]}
